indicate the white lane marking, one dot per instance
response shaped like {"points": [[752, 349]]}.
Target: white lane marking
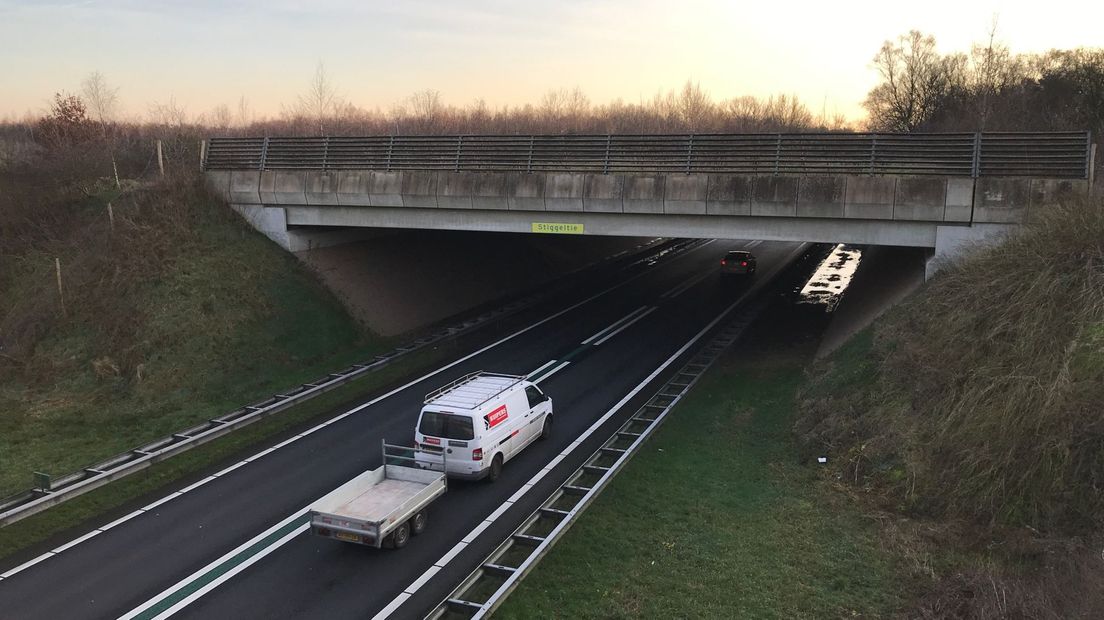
{"points": [[425, 577], [619, 321], [376, 400], [754, 243], [160, 501], [77, 541], [625, 326], [230, 574], [538, 371], [206, 569], [552, 372], [196, 485], [260, 454], [231, 468], [517, 494], [393, 605], [285, 539], [410, 590], [685, 286], [26, 565], [121, 520], [456, 549]]}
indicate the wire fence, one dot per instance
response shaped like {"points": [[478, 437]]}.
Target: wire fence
{"points": [[1050, 154]]}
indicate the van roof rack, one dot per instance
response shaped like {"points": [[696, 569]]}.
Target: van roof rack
{"points": [[472, 390]]}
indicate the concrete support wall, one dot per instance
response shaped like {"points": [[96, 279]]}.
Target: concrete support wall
{"points": [[914, 234], [952, 242], [943, 213], [272, 223], [891, 198]]}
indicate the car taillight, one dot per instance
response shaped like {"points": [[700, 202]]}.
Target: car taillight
{"points": [[477, 454], [724, 262], [743, 263]]}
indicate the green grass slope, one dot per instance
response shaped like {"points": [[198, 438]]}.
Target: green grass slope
{"points": [[970, 420], [714, 518], [983, 396], [174, 313]]}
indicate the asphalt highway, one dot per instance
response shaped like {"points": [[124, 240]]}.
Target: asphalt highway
{"points": [[232, 544]]}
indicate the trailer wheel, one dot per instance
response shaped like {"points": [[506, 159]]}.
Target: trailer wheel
{"points": [[496, 468], [400, 536], [418, 523]]}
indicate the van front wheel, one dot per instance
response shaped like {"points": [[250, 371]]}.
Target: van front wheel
{"points": [[546, 430], [496, 468]]}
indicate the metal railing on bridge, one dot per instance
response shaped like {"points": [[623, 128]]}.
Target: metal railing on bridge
{"points": [[1051, 154]]}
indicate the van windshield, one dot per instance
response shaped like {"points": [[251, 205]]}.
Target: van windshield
{"points": [[446, 425]]}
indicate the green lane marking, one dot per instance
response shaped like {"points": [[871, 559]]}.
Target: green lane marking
{"points": [[216, 572], [577, 351]]}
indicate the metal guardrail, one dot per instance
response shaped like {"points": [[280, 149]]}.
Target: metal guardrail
{"points": [[63, 488], [1042, 154], [485, 588]]}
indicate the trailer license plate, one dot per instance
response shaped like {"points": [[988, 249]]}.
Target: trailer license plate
{"points": [[347, 536]]}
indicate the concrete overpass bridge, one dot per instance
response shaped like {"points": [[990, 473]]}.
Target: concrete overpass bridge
{"points": [[936, 191]]}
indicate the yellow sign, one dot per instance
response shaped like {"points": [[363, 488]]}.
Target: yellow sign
{"points": [[558, 228]]}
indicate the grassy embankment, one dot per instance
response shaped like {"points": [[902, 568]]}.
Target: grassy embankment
{"points": [[715, 518], [174, 313], [972, 417], [965, 436], [179, 315]]}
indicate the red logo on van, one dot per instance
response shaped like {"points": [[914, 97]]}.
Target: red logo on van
{"points": [[496, 417], [433, 441]]}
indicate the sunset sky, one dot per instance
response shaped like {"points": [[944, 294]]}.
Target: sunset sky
{"points": [[204, 53]]}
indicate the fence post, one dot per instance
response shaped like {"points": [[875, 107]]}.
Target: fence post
{"points": [[976, 167], [529, 166], [42, 481], [605, 166], [689, 153], [1092, 166], [325, 153], [459, 147], [61, 292], [777, 153], [160, 158], [390, 148], [873, 152], [264, 153], [202, 155]]}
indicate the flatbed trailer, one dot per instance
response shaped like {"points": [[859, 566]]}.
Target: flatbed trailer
{"points": [[382, 507]]}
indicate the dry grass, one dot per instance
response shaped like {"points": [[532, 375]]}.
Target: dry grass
{"points": [[971, 420], [174, 314], [981, 397]]}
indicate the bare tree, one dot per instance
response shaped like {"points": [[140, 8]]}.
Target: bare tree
{"points": [[992, 71], [914, 79], [244, 116], [102, 100], [427, 111], [220, 117], [170, 113], [321, 101]]}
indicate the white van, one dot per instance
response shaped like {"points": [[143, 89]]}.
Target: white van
{"points": [[481, 421]]}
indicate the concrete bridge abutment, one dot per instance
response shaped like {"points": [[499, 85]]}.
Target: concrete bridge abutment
{"points": [[294, 208]]}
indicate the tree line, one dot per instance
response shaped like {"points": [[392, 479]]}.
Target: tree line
{"points": [[987, 88]]}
